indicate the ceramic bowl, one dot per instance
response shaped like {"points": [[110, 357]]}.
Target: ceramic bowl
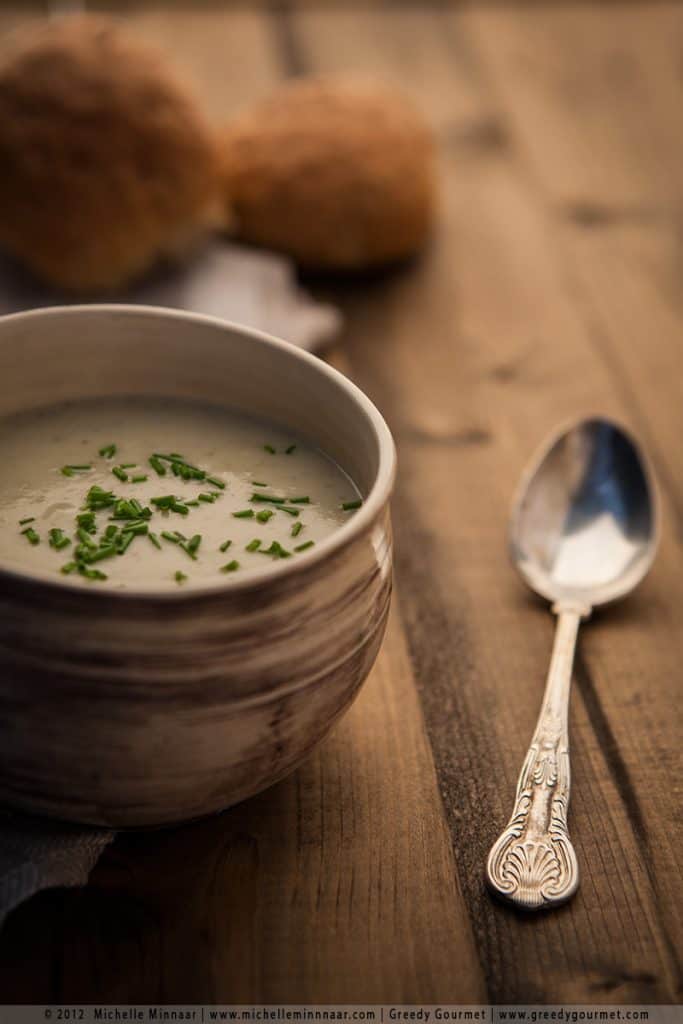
{"points": [[132, 708]]}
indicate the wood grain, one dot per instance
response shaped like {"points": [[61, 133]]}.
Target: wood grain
{"points": [[551, 289]]}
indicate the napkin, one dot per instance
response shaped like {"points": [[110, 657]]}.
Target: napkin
{"points": [[258, 289]]}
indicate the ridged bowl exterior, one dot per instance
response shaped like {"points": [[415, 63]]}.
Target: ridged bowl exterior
{"points": [[134, 710]]}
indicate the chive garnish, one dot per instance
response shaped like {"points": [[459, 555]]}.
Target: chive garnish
{"points": [[29, 519], [58, 540], [194, 543], [103, 552], [231, 566], [303, 547], [208, 498], [349, 506], [292, 448], [139, 479], [120, 473], [91, 574], [86, 520], [108, 451], [192, 504], [289, 511], [179, 576], [269, 448], [258, 483], [125, 540], [270, 498], [154, 539], [157, 465], [110, 532], [216, 482], [225, 545], [276, 550], [296, 529], [31, 536], [170, 536], [97, 498], [85, 538], [264, 515], [246, 513], [128, 465], [253, 545], [70, 470], [68, 568], [299, 501]]}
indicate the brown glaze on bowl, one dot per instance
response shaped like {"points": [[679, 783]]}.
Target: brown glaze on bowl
{"points": [[131, 708]]}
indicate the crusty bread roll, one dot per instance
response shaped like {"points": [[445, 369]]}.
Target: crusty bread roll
{"points": [[106, 163], [338, 173]]}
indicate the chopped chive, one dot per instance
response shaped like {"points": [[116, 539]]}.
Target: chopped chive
{"points": [[139, 479], [29, 519], [194, 542], [246, 513], [264, 515], [86, 520], [57, 539], [299, 501], [85, 538], [303, 547], [349, 506], [225, 545], [154, 539], [128, 465], [192, 504], [296, 529], [253, 545], [70, 470], [179, 576], [126, 539], [179, 535], [170, 536], [276, 550], [120, 474], [180, 507], [231, 566], [216, 482], [137, 529], [269, 448], [208, 498], [258, 483], [111, 532], [157, 465], [292, 448], [91, 574], [108, 451], [270, 498], [103, 552], [215, 494], [98, 498], [289, 511], [69, 567]]}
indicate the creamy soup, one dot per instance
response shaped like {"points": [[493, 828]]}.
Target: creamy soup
{"points": [[157, 492]]}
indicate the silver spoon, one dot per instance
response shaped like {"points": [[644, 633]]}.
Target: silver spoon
{"points": [[584, 531]]}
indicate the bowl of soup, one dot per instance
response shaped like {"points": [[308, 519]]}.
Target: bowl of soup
{"points": [[195, 560]]}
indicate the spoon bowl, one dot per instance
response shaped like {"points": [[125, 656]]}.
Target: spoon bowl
{"points": [[585, 528], [584, 531]]}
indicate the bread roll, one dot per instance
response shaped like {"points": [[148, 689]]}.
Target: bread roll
{"points": [[338, 173], [106, 161]]}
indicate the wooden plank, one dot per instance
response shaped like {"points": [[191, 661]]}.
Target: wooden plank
{"points": [[228, 55], [623, 266], [475, 354], [336, 884]]}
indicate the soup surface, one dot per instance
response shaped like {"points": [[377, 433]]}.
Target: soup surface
{"points": [[154, 492]]}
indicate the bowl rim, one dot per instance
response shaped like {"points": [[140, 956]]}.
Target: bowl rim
{"points": [[373, 502]]}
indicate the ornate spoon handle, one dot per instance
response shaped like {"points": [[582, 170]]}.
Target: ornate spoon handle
{"points": [[533, 864]]}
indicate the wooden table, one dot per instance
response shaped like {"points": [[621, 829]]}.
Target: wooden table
{"points": [[553, 288]]}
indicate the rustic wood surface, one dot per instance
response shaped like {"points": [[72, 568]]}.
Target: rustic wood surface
{"points": [[553, 288]]}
